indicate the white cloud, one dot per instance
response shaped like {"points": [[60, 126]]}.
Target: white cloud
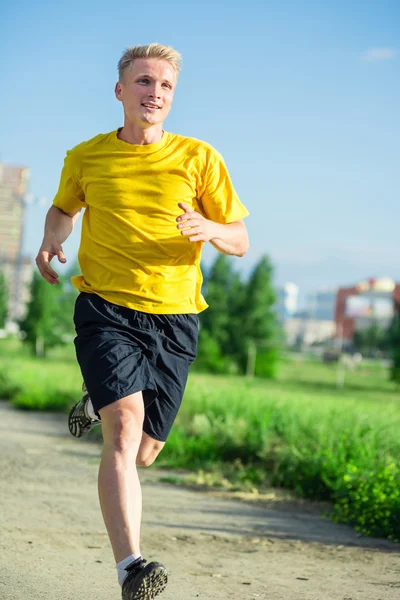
{"points": [[378, 54]]}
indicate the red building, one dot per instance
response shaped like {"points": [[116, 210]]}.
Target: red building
{"points": [[357, 307]]}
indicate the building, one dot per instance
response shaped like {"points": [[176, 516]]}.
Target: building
{"points": [[17, 270], [361, 305], [287, 297], [321, 304], [303, 332]]}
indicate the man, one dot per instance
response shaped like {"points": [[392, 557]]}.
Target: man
{"points": [[151, 200]]}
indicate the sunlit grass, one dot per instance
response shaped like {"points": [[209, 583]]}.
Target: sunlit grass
{"points": [[298, 432]]}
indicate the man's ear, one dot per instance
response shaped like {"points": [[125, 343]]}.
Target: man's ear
{"points": [[118, 91]]}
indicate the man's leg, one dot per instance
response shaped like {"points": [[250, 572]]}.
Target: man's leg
{"points": [[119, 487], [121, 498], [148, 451]]}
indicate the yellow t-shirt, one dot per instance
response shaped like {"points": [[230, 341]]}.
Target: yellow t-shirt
{"points": [[131, 252]]}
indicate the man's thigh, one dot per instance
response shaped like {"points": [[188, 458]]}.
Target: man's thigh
{"points": [[112, 362], [169, 364]]}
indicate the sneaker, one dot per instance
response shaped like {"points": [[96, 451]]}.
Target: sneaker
{"points": [[79, 422], [144, 581]]}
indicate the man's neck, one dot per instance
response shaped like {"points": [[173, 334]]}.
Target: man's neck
{"points": [[132, 134]]}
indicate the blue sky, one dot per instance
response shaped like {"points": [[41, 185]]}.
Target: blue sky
{"points": [[301, 97]]}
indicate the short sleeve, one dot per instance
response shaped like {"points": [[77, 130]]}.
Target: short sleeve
{"points": [[70, 196], [217, 195]]}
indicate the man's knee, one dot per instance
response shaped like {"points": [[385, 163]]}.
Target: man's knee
{"points": [[148, 452], [125, 434], [122, 429]]}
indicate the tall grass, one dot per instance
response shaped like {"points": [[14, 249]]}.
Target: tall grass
{"points": [[298, 432], [49, 384], [341, 446]]}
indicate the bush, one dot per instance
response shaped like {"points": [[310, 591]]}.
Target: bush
{"points": [[43, 398], [297, 431], [370, 500], [8, 387], [209, 357], [337, 448], [51, 384], [267, 363]]}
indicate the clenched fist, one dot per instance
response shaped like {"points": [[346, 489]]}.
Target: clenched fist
{"points": [[194, 226]]}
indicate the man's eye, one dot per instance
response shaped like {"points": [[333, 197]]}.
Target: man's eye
{"points": [[166, 85], [144, 80]]}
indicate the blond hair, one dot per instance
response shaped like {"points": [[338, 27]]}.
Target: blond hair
{"points": [[150, 51]]}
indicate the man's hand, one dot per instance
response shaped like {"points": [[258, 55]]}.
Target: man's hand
{"points": [[228, 238], [48, 250], [193, 225]]}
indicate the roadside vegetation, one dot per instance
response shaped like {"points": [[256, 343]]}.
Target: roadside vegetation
{"points": [[297, 431]]}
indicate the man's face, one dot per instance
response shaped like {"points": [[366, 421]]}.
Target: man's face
{"points": [[146, 91]]}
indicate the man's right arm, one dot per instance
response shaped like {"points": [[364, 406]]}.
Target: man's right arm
{"points": [[58, 227]]}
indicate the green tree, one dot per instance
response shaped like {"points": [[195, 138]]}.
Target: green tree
{"points": [[3, 300], [371, 340], [210, 358], [41, 324], [233, 344], [217, 290], [68, 295], [394, 345], [240, 325], [260, 331]]}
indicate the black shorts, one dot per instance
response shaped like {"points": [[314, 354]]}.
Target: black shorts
{"points": [[122, 351]]}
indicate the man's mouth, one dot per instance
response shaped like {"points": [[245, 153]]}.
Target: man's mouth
{"points": [[150, 105]]}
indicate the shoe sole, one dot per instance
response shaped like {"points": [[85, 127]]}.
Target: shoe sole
{"points": [[74, 428], [152, 584]]}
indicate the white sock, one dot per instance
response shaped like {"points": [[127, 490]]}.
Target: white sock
{"points": [[90, 410], [121, 566]]}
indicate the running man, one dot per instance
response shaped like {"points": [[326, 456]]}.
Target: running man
{"points": [[151, 200]]}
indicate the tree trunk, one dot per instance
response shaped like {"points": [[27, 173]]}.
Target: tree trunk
{"points": [[39, 347]]}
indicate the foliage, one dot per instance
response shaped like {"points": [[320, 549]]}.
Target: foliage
{"points": [[266, 362], [209, 357], [260, 325], [298, 431], [301, 438], [3, 300], [66, 305], [370, 499], [371, 341], [51, 383], [218, 284], [37, 397], [394, 345], [9, 387], [40, 323], [48, 321], [240, 317]]}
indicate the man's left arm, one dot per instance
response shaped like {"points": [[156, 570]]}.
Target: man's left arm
{"points": [[227, 238]]}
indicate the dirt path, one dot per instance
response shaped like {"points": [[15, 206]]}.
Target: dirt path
{"points": [[53, 544]]}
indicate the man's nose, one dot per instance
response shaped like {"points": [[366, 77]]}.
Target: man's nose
{"points": [[155, 90]]}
